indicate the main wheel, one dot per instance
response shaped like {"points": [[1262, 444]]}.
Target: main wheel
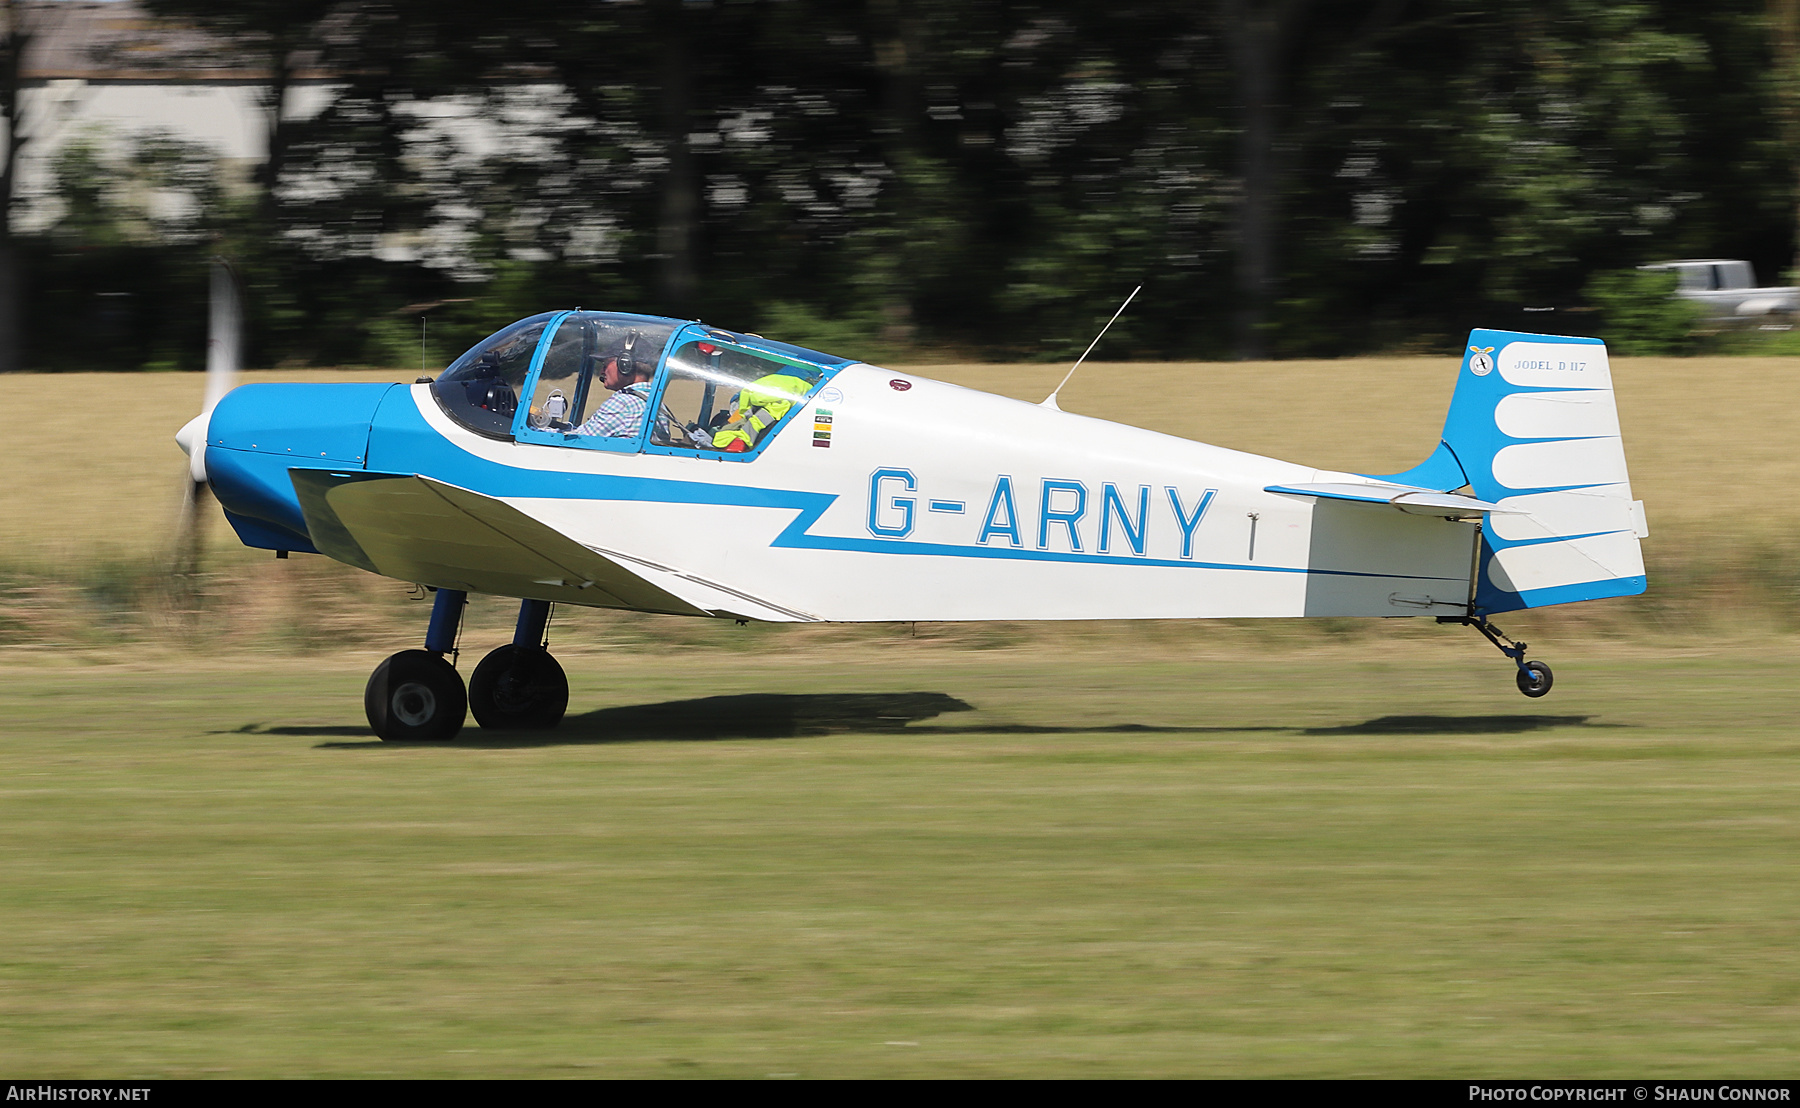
{"points": [[1535, 679], [415, 696], [518, 688]]}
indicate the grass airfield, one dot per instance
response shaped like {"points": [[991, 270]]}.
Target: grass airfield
{"points": [[1157, 849], [911, 863]]}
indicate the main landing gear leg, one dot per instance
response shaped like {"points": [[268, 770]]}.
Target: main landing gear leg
{"points": [[416, 695], [1534, 677], [520, 686]]}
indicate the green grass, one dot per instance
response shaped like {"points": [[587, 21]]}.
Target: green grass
{"points": [[1157, 862]]}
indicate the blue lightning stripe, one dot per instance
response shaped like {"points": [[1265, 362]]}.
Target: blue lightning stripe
{"points": [[403, 443]]}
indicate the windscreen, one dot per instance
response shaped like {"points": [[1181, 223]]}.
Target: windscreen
{"points": [[480, 390]]}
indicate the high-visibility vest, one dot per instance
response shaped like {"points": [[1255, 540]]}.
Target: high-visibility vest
{"points": [[758, 408]]}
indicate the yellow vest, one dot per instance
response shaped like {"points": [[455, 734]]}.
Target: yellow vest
{"points": [[760, 407]]}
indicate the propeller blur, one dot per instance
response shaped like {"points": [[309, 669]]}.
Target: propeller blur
{"points": [[661, 465], [223, 344]]}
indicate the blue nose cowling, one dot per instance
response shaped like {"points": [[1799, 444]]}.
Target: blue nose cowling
{"points": [[260, 432]]}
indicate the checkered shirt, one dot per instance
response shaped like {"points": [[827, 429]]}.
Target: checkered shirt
{"points": [[621, 415]]}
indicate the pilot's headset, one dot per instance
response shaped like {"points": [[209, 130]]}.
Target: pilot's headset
{"points": [[627, 357]]}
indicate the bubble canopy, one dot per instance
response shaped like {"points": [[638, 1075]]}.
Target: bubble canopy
{"points": [[580, 378]]}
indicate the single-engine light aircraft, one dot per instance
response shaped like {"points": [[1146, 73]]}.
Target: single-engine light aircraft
{"points": [[664, 465]]}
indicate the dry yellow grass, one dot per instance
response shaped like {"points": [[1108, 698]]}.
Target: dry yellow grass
{"points": [[95, 473]]}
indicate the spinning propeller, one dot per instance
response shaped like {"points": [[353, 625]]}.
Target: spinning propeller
{"points": [[224, 337]]}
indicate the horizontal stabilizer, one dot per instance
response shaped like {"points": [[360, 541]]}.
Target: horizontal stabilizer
{"points": [[1407, 498], [416, 529]]}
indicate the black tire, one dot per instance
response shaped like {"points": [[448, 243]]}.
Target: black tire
{"points": [[1535, 679], [518, 688], [415, 696]]}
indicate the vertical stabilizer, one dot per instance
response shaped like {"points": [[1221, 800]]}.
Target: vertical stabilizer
{"points": [[1532, 426]]}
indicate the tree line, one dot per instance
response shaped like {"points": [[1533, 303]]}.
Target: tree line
{"points": [[893, 177]]}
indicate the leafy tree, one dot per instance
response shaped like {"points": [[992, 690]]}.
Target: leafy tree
{"points": [[1283, 176], [1640, 314]]}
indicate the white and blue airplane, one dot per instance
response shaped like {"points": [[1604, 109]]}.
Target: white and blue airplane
{"points": [[753, 480]]}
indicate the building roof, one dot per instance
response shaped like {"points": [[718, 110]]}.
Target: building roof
{"points": [[117, 40]]}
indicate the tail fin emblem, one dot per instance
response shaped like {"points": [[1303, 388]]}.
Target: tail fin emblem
{"points": [[1482, 363]]}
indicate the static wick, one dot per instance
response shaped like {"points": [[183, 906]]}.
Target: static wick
{"points": [[1050, 401]]}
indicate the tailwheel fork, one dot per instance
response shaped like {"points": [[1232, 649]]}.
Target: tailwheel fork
{"points": [[1534, 678]]}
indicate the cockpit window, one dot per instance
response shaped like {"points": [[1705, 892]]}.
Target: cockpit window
{"points": [[593, 388], [718, 398], [559, 397], [480, 390]]}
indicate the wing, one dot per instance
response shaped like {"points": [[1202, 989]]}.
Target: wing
{"points": [[416, 529]]}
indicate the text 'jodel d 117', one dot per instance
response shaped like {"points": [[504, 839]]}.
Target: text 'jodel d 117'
{"points": [[659, 465]]}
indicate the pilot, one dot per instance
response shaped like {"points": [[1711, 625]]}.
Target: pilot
{"points": [[757, 408], [629, 382]]}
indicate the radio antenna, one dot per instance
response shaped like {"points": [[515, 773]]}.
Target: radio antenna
{"points": [[1050, 401]]}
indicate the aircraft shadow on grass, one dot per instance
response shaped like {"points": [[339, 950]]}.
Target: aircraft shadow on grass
{"points": [[746, 716], [795, 715], [760, 716], [1454, 725]]}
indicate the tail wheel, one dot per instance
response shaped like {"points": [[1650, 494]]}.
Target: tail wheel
{"points": [[1535, 679], [518, 688], [415, 696]]}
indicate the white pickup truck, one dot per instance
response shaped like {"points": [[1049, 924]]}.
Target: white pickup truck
{"points": [[1726, 288]]}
